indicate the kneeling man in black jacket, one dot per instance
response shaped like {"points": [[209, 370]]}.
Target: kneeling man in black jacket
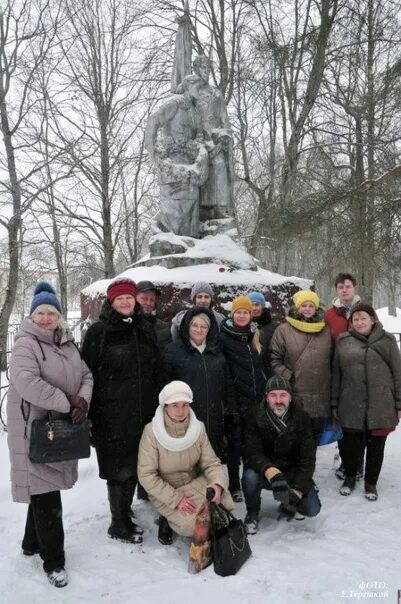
{"points": [[279, 455]]}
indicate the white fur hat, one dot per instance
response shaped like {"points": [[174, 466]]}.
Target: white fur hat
{"points": [[175, 392]]}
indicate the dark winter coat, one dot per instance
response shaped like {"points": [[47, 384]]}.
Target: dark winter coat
{"points": [[123, 357], [208, 375], [245, 364], [366, 386], [266, 327], [162, 331], [304, 360], [292, 452]]}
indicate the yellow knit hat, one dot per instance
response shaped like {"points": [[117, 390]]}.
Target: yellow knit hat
{"points": [[306, 295], [243, 303]]}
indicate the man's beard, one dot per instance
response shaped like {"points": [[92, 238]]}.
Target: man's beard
{"points": [[279, 410]]}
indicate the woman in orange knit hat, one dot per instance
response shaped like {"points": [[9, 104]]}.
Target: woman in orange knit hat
{"points": [[239, 339]]}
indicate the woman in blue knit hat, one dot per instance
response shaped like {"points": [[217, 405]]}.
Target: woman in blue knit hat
{"points": [[46, 374], [262, 317]]}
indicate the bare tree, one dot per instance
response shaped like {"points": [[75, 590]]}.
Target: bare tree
{"points": [[26, 36]]}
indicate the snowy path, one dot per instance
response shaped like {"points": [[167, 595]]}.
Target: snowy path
{"points": [[321, 561]]}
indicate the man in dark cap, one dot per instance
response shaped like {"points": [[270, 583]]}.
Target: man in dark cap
{"points": [[147, 297], [279, 455]]}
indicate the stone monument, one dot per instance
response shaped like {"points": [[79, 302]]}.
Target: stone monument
{"points": [[189, 141]]}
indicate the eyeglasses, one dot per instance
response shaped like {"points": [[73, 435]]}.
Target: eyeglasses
{"points": [[201, 327]]}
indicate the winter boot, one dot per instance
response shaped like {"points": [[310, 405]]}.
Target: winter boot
{"points": [[347, 486], [370, 492], [128, 495], [165, 534], [120, 527], [340, 472], [251, 523], [237, 496], [141, 493], [57, 577]]}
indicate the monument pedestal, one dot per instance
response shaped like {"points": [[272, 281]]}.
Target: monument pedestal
{"points": [[175, 263]]}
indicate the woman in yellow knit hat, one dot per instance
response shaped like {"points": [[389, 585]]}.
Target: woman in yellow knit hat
{"points": [[239, 339], [301, 353]]}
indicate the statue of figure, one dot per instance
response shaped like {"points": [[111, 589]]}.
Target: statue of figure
{"points": [[216, 194], [174, 141]]}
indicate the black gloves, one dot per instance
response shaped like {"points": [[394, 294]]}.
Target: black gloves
{"points": [[79, 409], [281, 489], [288, 510]]}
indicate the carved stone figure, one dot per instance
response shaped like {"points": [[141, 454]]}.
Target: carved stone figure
{"points": [[175, 144], [216, 194]]}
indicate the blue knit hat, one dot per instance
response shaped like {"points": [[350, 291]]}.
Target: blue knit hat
{"points": [[44, 293], [257, 298]]}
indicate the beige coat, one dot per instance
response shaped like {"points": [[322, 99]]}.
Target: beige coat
{"points": [[168, 475], [43, 374], [304, 360]]}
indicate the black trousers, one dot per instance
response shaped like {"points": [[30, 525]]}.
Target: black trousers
{"points": [[352, 451], [234, 436], [44, 529]]}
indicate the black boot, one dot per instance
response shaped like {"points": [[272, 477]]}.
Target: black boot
{"points": [[141, 493], [128, 494], [120, 527], [165, 534]]}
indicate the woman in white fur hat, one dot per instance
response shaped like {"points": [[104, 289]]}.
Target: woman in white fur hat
{"points": [[176, 463]]}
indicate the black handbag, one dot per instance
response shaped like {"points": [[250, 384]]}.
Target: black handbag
{"points": [[53, 440], [230, 546]]}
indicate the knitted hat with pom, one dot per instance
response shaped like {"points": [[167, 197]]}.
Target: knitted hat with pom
{"points": [[44, 293]]}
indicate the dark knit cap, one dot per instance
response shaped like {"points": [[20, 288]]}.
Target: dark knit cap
{"points": [[363, 307], [44, 293], [278, 383], [147, 286]]}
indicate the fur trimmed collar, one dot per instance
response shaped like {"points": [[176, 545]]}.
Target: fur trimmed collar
{"points": [[172, 443]]}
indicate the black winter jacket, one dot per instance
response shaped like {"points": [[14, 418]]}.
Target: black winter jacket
{"points": [[123, 357], [266, 327], [292, 452], [245, 363], [207, 374], [162, 331]]}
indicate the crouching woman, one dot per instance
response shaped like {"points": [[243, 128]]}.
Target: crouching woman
{"points": [[176, 464]]}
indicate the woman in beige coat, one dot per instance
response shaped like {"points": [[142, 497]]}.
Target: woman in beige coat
{"points": [[46, 374], [176, 463], [300, 352]]}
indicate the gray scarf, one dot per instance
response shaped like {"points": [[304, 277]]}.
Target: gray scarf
{"points": [[278, 423]]}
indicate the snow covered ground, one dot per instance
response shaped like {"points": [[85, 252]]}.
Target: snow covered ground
{"points": [[352, 543], [349, 552]]}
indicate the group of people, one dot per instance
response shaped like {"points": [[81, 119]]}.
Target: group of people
{"points": [[174, 411]]}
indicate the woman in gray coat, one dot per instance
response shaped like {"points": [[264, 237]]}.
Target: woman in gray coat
{"points": [[366, 394], [46, 374]]}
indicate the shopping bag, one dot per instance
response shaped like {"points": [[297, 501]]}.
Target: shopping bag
{"points": [[330, 432]]}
